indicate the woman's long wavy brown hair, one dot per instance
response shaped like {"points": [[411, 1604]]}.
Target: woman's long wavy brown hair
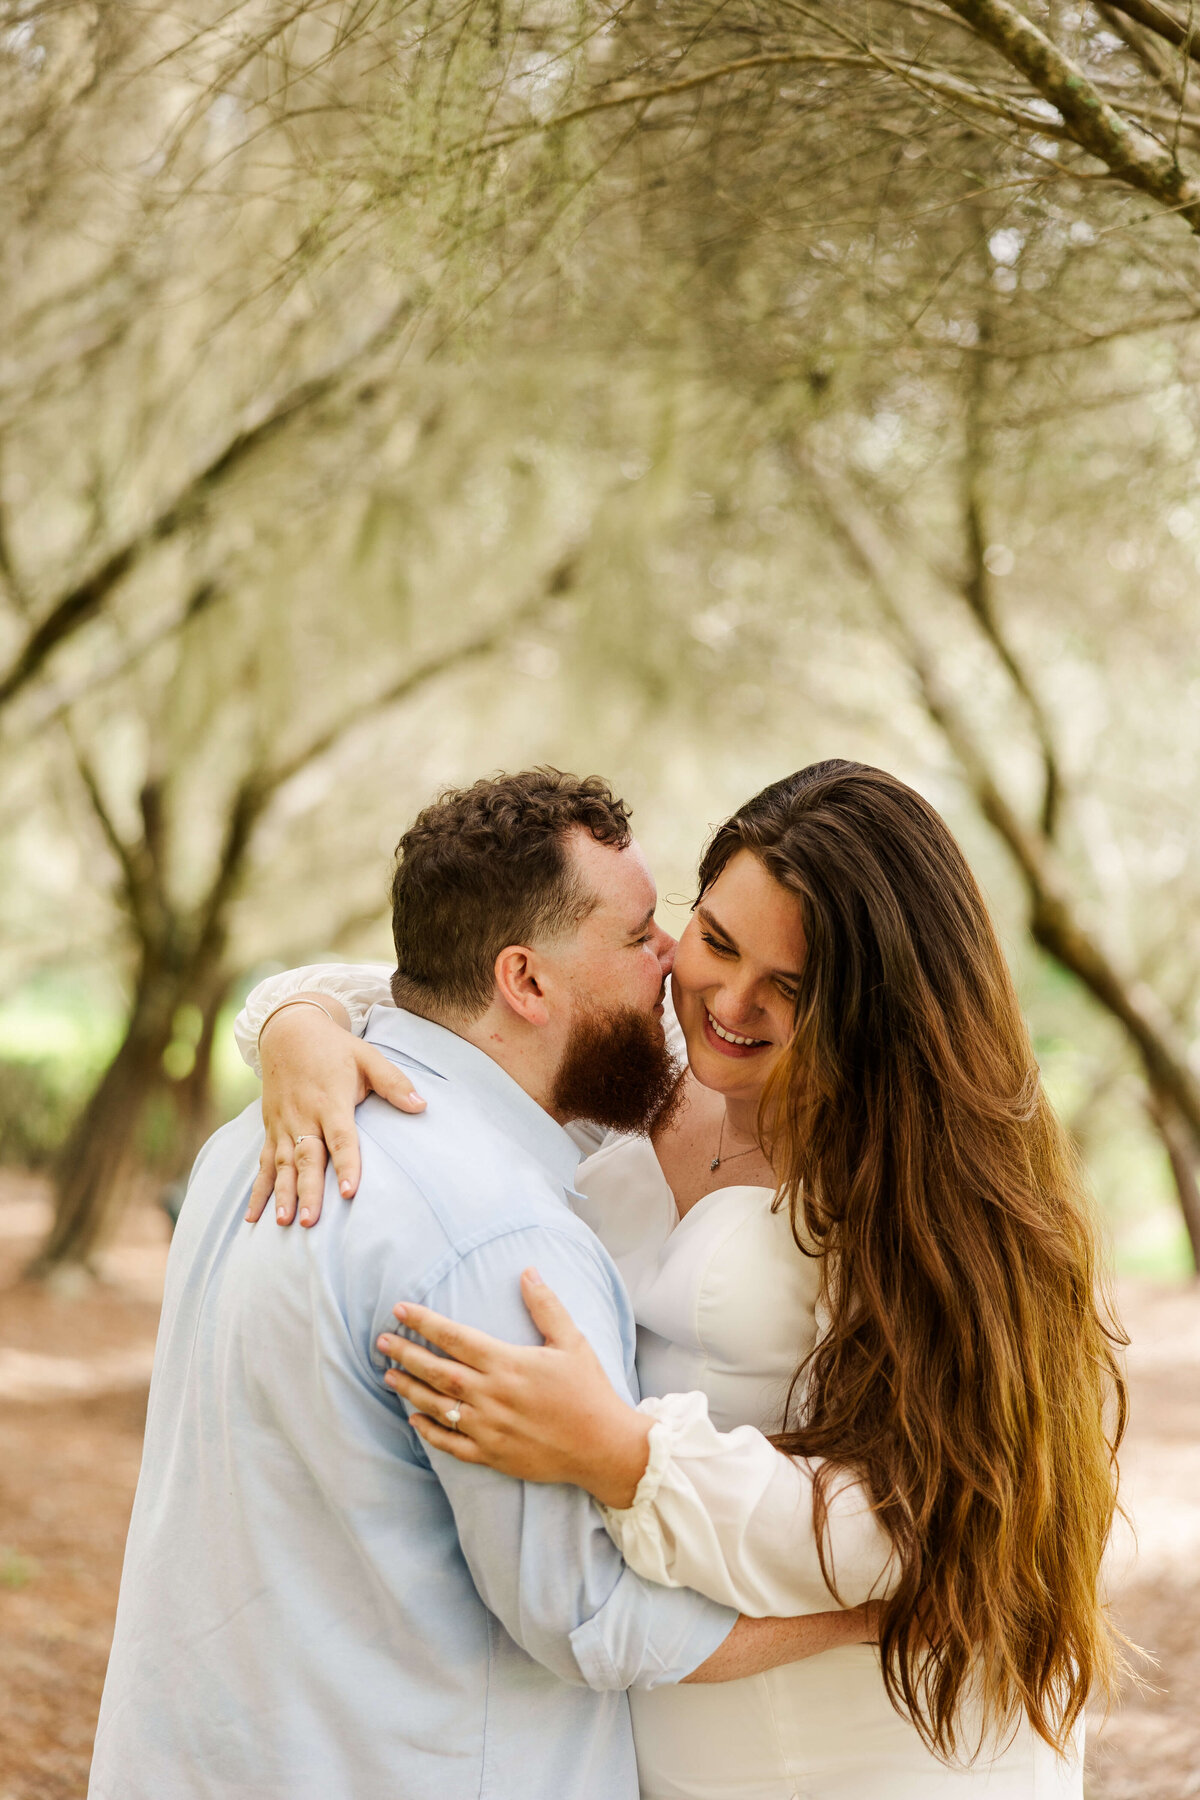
{"points": [[968, 1374]]}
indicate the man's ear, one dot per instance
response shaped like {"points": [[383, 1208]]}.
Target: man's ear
{"points": [[518, 986]]}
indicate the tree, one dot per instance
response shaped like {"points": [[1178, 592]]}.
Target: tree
{"points": [[681, 268], [182, 944], [1056, 915]]}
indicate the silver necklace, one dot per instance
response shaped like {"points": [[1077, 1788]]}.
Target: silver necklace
{"points": [[718, 1159]]}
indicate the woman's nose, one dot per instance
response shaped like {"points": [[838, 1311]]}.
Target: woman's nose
{"points": [[736, 1006]]}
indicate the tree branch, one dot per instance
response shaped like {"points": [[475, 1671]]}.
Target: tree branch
{"points": [[85, 600], [8, 568], [143, 900], [976, 583], [1052, 920], [457, 657], [1149, 53], [54, 705], [686, 84], [1162, 21], [1130, 154], [259, 788]]}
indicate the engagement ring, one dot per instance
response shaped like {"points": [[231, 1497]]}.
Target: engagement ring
{"points": [[453, 1416]]}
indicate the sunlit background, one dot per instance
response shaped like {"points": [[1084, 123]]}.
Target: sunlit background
{"points": [[390, 396]]}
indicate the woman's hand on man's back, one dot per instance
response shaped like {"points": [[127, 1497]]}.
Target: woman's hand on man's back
{"points": [[315, 1072]]}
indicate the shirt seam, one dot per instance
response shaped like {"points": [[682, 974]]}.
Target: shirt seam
{"points": [[487, 1695], [453, 1258], [458, 1253]]}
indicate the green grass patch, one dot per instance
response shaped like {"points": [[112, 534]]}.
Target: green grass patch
{"points": [[16, 1571], [1154, 1246], [57, 1036]]}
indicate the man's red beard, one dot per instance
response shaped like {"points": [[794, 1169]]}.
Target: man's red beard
{"points": [[617, 1072]]}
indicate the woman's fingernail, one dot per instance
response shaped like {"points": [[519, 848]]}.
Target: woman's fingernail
{"points": [[401, 1313], [414, 1103], [305, 1215], [533, 1278], [280, 1214], [345, 1190]]}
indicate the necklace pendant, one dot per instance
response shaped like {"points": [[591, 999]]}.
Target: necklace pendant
{"points": [[715, 1163]]}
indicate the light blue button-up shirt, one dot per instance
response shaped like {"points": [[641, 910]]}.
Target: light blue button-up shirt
{"points": [[314, 1605]]}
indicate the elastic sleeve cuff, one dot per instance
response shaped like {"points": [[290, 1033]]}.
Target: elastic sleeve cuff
{"points": [[359, 987], [673, 1415], [659, 1447]]}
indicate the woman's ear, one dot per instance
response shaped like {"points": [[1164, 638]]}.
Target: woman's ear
{"points": [[518, 985]]}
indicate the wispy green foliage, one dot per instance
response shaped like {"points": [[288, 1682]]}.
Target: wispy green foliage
{"points": [[349, 337]]}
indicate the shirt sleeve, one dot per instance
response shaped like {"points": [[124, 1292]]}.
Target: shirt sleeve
{"points": [[727, 1514], [539, 1555], [359, 987]]}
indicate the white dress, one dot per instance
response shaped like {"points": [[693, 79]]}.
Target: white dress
{"points": [[727, 1307]]}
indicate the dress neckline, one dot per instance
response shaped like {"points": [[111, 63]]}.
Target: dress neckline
{"points": [[681, 1219]]}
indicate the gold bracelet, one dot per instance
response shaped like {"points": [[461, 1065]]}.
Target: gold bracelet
{"points": [[298, 1001]]}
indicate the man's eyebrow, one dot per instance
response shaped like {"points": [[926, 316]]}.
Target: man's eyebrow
{"points": [[714, 925], [644, 922]]}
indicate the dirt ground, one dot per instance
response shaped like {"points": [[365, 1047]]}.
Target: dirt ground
{"points": [[74, 1369]]}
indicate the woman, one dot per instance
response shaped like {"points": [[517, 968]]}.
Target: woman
{"points": [[908, 1239]]}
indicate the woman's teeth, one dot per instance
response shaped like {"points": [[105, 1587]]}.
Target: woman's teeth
{"points": [[731, 1037]]}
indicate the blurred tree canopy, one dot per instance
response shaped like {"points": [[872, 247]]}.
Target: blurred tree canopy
{"points": [[392, 391]]}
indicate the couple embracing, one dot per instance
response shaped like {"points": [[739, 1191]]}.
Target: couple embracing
{"points": [[847, 1543]]}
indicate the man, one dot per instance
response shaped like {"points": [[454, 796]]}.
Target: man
{"points": [[315, 1606]]}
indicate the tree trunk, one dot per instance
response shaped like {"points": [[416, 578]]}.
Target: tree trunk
{"points": [[1183, 1153], [195, 1108], [100, 1157], [96, 1163]]}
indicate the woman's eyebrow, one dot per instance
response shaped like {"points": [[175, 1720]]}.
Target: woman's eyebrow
{"points": [[706, 918]]}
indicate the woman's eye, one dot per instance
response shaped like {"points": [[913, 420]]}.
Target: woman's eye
{"points": [[716, 944]]}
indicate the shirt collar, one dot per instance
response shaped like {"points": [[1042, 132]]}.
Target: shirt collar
{"points": [[446, 1054]]}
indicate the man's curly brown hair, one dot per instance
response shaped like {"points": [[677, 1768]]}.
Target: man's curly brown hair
{"points": [[484, 867]]}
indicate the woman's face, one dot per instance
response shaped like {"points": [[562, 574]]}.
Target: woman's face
{"points": [[736, 973]]}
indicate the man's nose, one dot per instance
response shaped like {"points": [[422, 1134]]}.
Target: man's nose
{"points": [[665, 947]]}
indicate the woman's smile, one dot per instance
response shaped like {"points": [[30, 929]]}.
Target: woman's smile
{"points": [[730, 1043], [736, 972]]}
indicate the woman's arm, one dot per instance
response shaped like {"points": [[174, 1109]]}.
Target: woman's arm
{"points": [[726, 1513], [315, 1071], [313, 1079], [688, 1505], [356, 987], [757, 1644]]}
